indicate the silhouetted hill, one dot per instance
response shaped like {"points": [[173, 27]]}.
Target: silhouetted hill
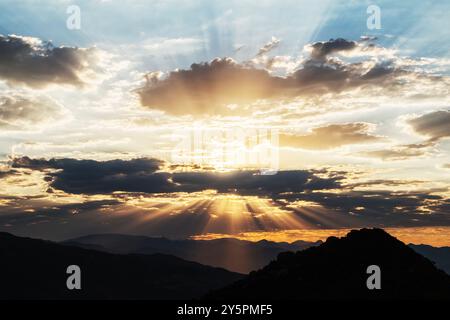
{"points": [[337, 270], [231, 254], [441, 256], [36, 269]]}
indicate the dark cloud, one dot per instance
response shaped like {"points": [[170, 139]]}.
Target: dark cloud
{"points": [[19, 112], [145, 175], [442, 206], [383, 71], [320, 50], [91, 167], [382, 202], [251, 182], [381, 182], [313, 198], [332, 210], [330, 136], [90, 176], [435, 125], [377, 208], [141, 175], [321, 77], [368, 38], [29, 61], [8, 173], [208, 88]]}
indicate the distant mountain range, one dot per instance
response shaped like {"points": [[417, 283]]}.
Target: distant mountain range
{"points": [[36, 269], [441, 256], [232, 254], [337, 270]]}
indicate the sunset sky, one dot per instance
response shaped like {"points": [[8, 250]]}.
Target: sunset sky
{"points": [[271, 119]]}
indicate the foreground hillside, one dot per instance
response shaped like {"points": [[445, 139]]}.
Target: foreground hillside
{"points": [[337, 270], [36, 269]]}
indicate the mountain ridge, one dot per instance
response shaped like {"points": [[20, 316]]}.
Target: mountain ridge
{"points": [[337, 270], [208, 252]]}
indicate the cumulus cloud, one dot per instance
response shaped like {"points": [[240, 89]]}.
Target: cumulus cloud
{"points": [[30, 61], [22, 112], [212, 87], [331, 136], [207, 88]]}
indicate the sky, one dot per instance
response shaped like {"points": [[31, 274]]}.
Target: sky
{"points": [[212, 119]]}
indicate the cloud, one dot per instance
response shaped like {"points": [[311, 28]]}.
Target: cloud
{"points": [[22, 112], [331, 136], [269, 46], [251, 182], [320, 50], [90, 176], [401, 152], [187, 215], [8, 173], [432, 125], [435, 125], [385, 207], [394, 154], [143, 175], [383, 183], [297, 198], [210, 88], [30, 61]]}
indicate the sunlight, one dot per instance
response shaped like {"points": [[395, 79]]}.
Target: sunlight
{"points": [[434, 236]]}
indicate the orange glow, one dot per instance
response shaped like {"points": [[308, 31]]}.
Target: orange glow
{"points": [[434, 236], [209, 212]]}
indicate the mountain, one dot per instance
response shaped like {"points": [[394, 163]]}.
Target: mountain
{"points": [[337, 270], [441, 256], [232, 254], [36, 269]]}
